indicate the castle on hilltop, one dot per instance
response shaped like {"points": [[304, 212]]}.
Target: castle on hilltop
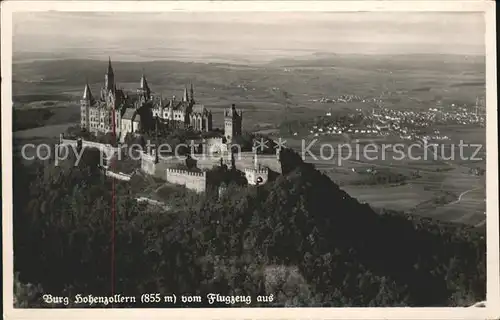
{"points": [[123, 113], [97, 114], [115, 110]]}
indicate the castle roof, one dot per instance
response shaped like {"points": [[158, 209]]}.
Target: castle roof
{"points": [[129, 114], [177, 105], [144, 83], [119, 94], [133, 96]]}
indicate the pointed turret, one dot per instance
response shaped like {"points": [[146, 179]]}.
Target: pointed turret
{"points": [[144, 82], [87, 94], [192, 93], [185, 97], [109, 78], [144, 88]]}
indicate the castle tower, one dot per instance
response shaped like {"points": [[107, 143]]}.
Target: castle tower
{"points": [[109, 78], [233, 161], [85, 103], [232, 123], [208, 121]]}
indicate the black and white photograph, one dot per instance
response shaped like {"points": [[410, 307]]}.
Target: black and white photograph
{"points": [[168, 159]]}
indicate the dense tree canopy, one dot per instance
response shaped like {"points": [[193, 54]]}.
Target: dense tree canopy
{"points": [[300, 238]]}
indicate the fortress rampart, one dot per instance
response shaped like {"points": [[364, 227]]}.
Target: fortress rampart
{"points": [[196, 181], [246, 160], [257, 171], [107, 149], [242, 161], [149, 165]]}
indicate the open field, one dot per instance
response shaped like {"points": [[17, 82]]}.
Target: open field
{"points": [[468, 209], [400, 198], [419, 196], [443, 189]]}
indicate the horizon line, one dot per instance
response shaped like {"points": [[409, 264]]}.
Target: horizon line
{"points": [[233, 60]]}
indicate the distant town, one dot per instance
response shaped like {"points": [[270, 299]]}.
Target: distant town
{"points": [[405, 124]]}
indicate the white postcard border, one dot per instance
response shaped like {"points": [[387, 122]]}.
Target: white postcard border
{"points": [[493, 270]]}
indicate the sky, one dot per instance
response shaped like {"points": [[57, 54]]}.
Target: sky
{"points": [[245, 36]]}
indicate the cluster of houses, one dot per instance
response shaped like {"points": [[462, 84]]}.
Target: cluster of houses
{"points": [[406, 124], [347, 98]]}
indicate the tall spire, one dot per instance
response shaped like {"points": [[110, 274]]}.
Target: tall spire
{"points": [[110, 68], [192, 92], [185, 98], [144, 87], [144, 82], [109, 78]]}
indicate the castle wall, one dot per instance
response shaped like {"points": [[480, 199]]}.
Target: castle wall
{"points": [[157, 170], [214, 145], [148, 166], [245, 160], [118, 175], [127, 126], [257, 176], [207, 163], [196, 181]]}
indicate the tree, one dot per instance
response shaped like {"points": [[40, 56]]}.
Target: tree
{"points": [[334, 250]]}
